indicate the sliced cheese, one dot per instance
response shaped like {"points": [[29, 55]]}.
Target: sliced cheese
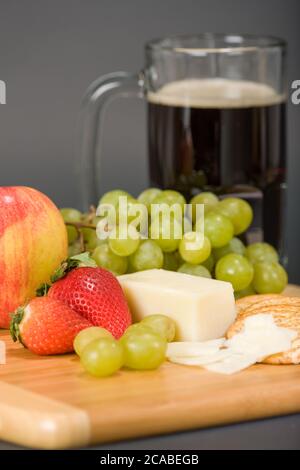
{"points": [[232, 363], [202, 359], [261, 337], [2, 353], [259, 322], [201, 308], [194, 349]]}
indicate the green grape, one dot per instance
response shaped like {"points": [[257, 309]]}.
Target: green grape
{"points": [[165, 214], [96, 220], [147, 197], [236, 269], [244, 292], [260, 252], [126, 246], [144, 350], [105, 258], [72, 216], [88, 335], [85, 219], [269, 278], [209, 263], [127, 213], [171, 261], [194, 270], [130, 268], [161, 325], [74, 249], [234, 246], [166, 233], [180, 260], [137, 328], [103, 357], [89, 234], [148, 256], [187, 225], [170, 197], [210, 201], [192, 249], [218, 229], [238, 211], [93, 241], [114, 207], [112, 197]]}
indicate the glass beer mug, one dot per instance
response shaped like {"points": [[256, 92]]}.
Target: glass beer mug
{"points": [[216, 122]]}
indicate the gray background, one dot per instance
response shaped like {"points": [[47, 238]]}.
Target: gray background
{"points": [[51, 50]]}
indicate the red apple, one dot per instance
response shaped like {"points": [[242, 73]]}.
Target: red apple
{"points": [[33, 242]]}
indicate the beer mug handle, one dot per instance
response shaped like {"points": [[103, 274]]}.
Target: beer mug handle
{"points": [[97, 96]]}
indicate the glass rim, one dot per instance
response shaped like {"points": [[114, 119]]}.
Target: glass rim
{"points": [[237, 42]]}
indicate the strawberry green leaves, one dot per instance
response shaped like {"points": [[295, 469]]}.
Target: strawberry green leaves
{"points": [[76, 261], [14, 324]]}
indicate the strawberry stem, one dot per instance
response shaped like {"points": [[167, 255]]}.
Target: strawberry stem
{"points": [[15, 324], [42, 290], [76, 261]]}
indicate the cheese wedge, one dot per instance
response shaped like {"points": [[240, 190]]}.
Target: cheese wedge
{"points": [[201, 308]]}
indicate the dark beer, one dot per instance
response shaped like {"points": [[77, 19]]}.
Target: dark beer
{"points": [[222, 136]]}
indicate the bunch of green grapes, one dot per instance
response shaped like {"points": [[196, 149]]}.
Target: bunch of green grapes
{"points": [[177, 243], [142, 347]]}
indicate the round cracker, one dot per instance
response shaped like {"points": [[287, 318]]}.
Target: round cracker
{"points": [[286, 313], [273, 302], [245, 302]]}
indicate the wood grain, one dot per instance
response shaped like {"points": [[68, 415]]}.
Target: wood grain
{"points": [[32, 420], [49, 402]]}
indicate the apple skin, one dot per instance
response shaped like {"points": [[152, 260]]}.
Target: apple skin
{"points": [[33, 242]]}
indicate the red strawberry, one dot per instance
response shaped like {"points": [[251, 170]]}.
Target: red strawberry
{"points": [[95, 294], [47, 326]]}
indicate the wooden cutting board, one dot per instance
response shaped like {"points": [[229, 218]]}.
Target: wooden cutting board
{"points": [[49, 402]]}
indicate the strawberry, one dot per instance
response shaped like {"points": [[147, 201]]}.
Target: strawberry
{"points": [[94, 293], [47, 326]]}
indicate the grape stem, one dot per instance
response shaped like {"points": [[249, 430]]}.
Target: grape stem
{"points": [[81, 240], [78, 226], [91, 213]]}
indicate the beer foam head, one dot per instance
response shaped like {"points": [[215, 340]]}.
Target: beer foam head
{"points": [[215, 93]]}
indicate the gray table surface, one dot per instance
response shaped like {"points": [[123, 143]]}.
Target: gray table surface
{"points": [[275, 433]]}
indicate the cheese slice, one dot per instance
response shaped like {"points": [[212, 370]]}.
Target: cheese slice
{"points": [[2, 353], [232, 364], [194, 349], [261, 337], [201, 308], [202, 359]]}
